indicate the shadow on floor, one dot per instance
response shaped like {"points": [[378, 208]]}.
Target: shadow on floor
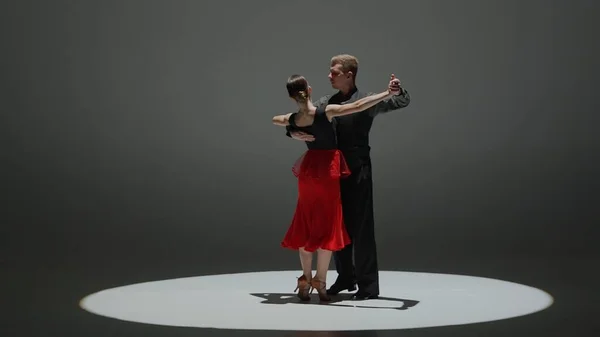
{"points": [[338, 301]]}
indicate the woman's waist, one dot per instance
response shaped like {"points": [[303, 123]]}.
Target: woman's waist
{"points": [[317, 150]]}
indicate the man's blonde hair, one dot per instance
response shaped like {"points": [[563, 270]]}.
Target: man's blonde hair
{"points": [[348, 62]]}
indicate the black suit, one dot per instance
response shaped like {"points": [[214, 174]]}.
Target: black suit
{"points": [[357, 190]]}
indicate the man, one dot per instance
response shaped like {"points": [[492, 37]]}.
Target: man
{"points": [[357, 190]]}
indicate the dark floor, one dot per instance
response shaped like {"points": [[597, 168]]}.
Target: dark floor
{"points": [[42, 289]]}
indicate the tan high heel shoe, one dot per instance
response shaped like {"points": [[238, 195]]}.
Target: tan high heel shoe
{"points": [[304, 288], [321, 289]]}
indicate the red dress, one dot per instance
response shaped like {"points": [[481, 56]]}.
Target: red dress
{"points": [[318, 220]]}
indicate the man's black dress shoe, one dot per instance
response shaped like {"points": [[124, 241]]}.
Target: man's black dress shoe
{"points": [[337, 287], [361, 296]]}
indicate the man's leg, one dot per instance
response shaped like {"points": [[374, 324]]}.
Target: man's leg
{"points": [[343, 259], [365, 248], [344, 264]]}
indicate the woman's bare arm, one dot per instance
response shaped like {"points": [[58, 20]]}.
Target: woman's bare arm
{"points": [[282, 120], [334, 110]]}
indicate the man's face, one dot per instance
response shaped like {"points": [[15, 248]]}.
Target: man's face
{"points": [[338, 78]]}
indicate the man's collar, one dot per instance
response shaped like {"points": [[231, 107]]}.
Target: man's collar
{"points": [[349, 95]]}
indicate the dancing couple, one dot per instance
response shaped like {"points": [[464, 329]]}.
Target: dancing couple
{"points": [[334, 211]]}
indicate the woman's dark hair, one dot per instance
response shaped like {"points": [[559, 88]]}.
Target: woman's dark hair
{"points": [[297, 87]]}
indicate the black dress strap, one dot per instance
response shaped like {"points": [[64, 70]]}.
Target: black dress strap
{"points": [[292, 120]]}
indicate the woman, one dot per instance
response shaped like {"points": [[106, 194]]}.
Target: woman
{"points": [[318, 223]]}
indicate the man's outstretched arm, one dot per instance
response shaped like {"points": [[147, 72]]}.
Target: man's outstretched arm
{"points": [[399, 101]]}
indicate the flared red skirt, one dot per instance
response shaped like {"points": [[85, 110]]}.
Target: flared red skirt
{"points": [[318, 220]]}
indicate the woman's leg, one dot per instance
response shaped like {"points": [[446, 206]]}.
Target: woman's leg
{"points": [[304, 282], [323, 260], [306, 262], [319, 281]]}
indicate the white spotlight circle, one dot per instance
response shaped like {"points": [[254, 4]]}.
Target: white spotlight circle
{"points": [[265, 301]]}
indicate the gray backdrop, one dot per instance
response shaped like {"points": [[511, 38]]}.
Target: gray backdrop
{"points": [[140, 131]]}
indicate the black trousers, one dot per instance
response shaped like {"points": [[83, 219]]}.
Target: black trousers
{"points": [[357, 205]]}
